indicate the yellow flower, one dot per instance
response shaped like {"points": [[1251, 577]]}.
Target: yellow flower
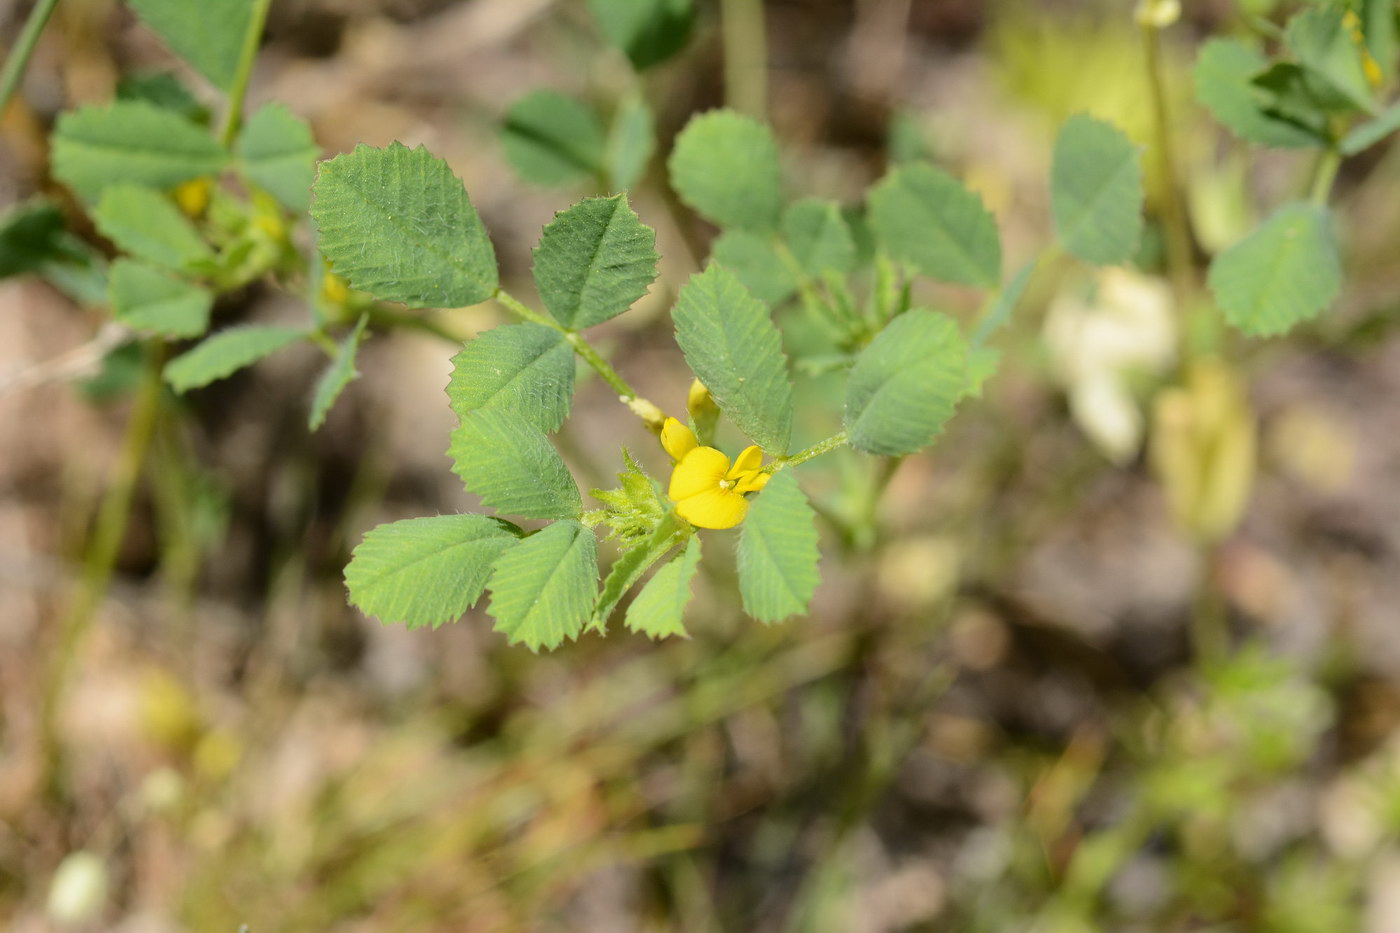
{"points": [[707, 489], [193, 196]]}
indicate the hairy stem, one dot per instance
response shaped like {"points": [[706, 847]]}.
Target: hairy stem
{"points": [[233, 116], [19, 56], [99, 560], [816, 450], [745, 40]]}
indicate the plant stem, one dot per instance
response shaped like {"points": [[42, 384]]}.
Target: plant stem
{"points": [[233, 116], [18, 59], [745, 40], [816, 450], [99, 560], [1179, 261], [1324, 175], [642, 408]]}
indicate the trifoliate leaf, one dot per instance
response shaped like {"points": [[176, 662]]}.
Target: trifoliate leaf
{"points": [[130, 141], [659, 609], [551, 139], [147, 225], [225, 353], [510, 464], [1319, 36], [925, 216], [647, 31], [542, 589], [146, 298], [426, 571], [778, 552], [525, 369], [594, 260], [208, 34], [819, 237], [634, 562], [398, 224], [732, 346], [1285, 272], [1096, 191], [1224, 76], [631, 143], [754, 261], [30, 236], [279, 154], [905, 384], [337, 376], [725, 166]]}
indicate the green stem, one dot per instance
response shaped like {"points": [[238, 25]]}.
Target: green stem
{"points": [[1324, 175], [23, 50], [233, 117], [1178, 233], [745, 40], [816, 450], [641, 407], [100, 559]]}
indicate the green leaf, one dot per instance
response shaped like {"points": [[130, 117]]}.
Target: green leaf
{"points": [[524, 369], [732, 346], [337, 376], [426, 571], [659, 609], [1324, 45], [147, 298], [551, 139], [754, 261], [725, 166], [509, 463], [1096, 191], [542, 589], [164, 90], [279, 154], [225, 353], [925, 216], [130, 141], [1224, 74], [147, 225], [30, 236], [1368, 134], [905, 384], [1006, 303], [398, 224], [208, 34], [1285, 272], [593, 261], [631, 142], [778, 552], [819, 237], [1382, 36], [647, 31], [634, 562]]}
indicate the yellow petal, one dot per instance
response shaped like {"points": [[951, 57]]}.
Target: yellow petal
{"points": [[752, 482], [678, 439], [713, 508], [700, 471], [748, 461]]}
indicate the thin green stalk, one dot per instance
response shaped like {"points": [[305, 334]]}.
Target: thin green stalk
{"points": [[23, 50], [1178, 233], [816, 450], [99, 560], [233, 116], [641, 407], [745, 38], [1325, 175]]}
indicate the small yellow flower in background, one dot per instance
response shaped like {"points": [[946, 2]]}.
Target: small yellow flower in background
{"points": [[193, 196], [334, 289], [708, 490]]}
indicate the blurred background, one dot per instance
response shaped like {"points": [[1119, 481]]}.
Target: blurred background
{"points": [[994, 718]]}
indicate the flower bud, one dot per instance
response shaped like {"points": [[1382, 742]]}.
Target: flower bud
{"points": [[704, 413]]}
